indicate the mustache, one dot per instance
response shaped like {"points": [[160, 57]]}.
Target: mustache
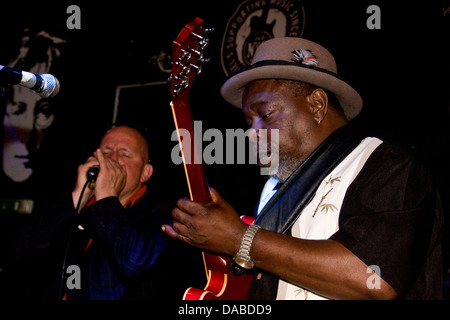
{"points": [[265, 152]]}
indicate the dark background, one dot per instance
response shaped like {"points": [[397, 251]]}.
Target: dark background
{"points": [[401, 71]]}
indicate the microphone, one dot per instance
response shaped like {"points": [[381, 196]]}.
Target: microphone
{"points": [[46, 85], [93, 173]]}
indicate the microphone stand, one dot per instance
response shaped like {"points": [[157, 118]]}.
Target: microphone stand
{"points": [[2, 101], [3, 89]]}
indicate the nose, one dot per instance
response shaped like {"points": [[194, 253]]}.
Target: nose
{"points": [[116, 156], [253, 135], [19, 125], [256, 135]]}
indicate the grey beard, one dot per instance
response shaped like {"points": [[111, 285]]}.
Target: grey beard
{"points": [[286, 167]]}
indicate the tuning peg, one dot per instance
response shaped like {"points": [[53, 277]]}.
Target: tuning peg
{"points": [[205, 60], [176, 90], [198, 68], [184, 84], [186, 55], [198, 36], [198, 54], [185, 70], [204, 43]]}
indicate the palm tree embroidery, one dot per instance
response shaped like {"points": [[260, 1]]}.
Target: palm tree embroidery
{"points": [[299, 291], [327, 206]]}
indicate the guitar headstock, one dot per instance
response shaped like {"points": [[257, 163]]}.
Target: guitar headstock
{"points": [[188, 57]]}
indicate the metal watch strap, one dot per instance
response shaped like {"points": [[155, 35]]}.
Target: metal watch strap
{"points": [[242, 258]]}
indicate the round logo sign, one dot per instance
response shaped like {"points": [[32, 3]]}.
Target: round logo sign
{"points": [[254, 22]]}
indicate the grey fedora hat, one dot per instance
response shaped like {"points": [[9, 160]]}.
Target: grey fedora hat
{"points": [[298, 59]]}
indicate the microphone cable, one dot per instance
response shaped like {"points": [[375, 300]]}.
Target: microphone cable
{"points": [[69, 239]]}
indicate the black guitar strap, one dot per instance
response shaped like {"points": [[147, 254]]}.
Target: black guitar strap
{"points": [[297, 191], [287, 204]]}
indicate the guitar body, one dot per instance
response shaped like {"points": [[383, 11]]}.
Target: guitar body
{"points": [[188, 48], [222, 283]]}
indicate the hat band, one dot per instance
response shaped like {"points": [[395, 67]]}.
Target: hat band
{"points": [[264, 63]]}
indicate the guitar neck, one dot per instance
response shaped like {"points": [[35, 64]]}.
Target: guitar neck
{"points": [[195, 172], [187, 61]]}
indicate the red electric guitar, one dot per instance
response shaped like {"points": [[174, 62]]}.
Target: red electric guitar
{"points": [[188, 58]]}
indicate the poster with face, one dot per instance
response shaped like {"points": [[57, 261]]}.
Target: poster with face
{"points": [[25, 114]]}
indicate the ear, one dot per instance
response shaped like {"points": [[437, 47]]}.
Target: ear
{"points": [[146, 172], [318, 100]]}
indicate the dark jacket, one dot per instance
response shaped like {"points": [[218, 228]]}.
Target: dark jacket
{"points": [[122, 257]]}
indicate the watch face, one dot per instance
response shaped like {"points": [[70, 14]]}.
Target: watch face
{"points": [[244, 263]]}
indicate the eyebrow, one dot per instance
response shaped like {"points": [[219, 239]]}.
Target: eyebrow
{"points": [[120, 149], [255, 105]]}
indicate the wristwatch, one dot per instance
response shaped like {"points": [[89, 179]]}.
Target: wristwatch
{"points": [[242, 260]]}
